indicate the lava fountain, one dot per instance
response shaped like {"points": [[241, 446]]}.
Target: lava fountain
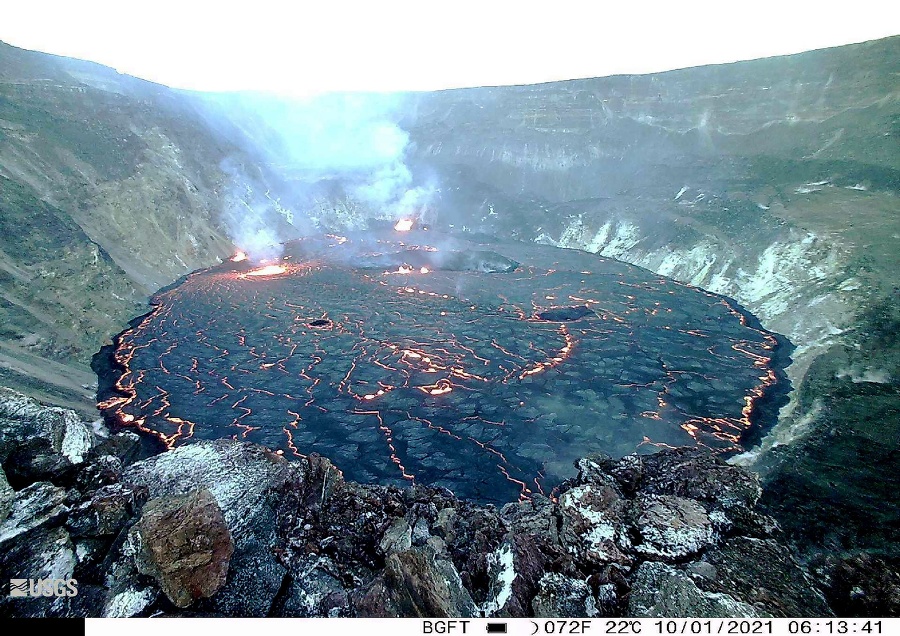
{"points": [[268, 270]]}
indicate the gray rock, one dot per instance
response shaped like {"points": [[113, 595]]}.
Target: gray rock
{"points": [[420, 532], [417, 583], [696, 474], [23, 418], [241, 477], [38, 505], [255, 575], [128, 602], [702, 570], [48, 553], [443, 524], [35, 460], [102, 471], [503, 575], [127, 592], [184, 545], [237, 474], [7, 495], [560, 595], [765, 573], [671, 527], [535, 516], [107, 511], [316, 593], [124, 446], [659, 590], [397, 538]]}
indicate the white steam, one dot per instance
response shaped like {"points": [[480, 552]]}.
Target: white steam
{"points": [[254, 222], [341, 159]]}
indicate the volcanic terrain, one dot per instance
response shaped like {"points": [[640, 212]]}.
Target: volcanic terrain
{"points": [[486, 368]]}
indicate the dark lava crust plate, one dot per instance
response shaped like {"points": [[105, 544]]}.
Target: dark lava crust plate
{"points": [[486, 369]]}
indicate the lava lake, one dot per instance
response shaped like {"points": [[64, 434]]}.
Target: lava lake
{"points": [[485, 368]]}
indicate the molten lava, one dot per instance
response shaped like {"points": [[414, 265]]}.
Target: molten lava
{"points": [[237, 258], [268, 270], [404, 225], [490, 384]]}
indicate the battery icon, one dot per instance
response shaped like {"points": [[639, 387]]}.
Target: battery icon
{"points": [[496, 628]]}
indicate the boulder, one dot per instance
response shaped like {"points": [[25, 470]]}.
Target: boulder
{"points": [[593, 523], [124, 446], [36, 460], [185, 545], [660, 590], [237, 474], [103, 470], [417, 583], [23, 418], [697, 474], [671, 527], [316, 593], [559, 595], [397, 538], [39, 505]]}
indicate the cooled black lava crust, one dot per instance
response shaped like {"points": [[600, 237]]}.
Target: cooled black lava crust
{"points": [[421, 357]]}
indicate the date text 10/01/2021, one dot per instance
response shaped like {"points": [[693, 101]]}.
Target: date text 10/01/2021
{"points": [[583, 627]]}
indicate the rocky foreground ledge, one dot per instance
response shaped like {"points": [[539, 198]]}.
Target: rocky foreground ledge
{"points": [[227, 528]]}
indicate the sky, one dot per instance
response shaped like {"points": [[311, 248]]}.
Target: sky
{"points": [[300, 48]]}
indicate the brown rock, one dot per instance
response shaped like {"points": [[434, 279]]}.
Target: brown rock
{"points": [[185, 545], [593, 527], [416, 582]]}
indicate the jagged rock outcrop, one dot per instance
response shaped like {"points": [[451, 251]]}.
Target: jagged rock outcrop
{"points": [[50, 436], [229, 528]]}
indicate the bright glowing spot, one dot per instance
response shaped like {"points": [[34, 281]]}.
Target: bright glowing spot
{"points": [[404, 225], [424, 270], [404, 270], [268, 270], [237, 258]]}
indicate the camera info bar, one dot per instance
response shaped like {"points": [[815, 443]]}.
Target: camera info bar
{"points": [[487, 626]]}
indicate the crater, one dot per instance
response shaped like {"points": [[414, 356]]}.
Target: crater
{"points": [[489, 380]]}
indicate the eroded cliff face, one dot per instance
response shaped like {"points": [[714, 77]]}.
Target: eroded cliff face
{"points": [[110, 187], [774, 182]]}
